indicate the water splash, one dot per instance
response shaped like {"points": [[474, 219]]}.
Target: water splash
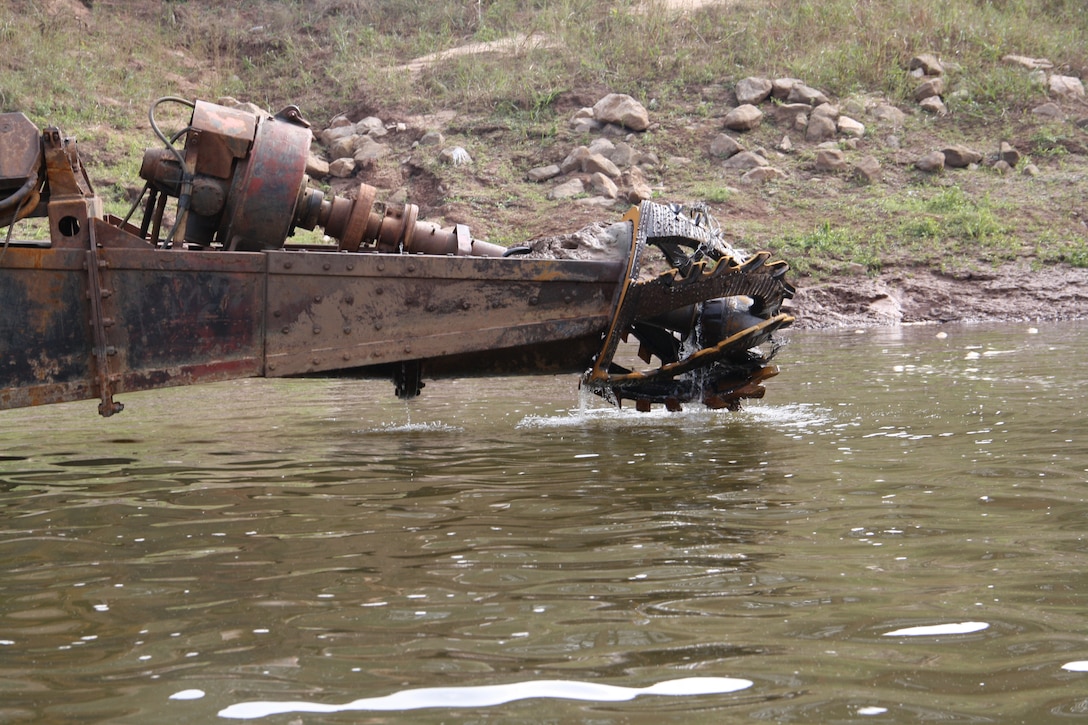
{"points": [[490, 695]]}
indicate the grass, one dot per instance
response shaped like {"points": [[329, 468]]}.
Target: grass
{"points": [[95, 76]]}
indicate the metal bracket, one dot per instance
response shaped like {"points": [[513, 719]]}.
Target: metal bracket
{"points": [[103, 351]]}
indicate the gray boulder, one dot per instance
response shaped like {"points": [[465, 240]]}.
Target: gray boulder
{"points": [[931, 162], [623, 110], [753, 90], [743, 118], [959, 156]]}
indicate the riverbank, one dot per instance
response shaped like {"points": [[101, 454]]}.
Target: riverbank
{"points": [[1011, 293]]}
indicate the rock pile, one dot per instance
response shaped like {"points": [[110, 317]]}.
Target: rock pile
{"points": [[612, 171]]}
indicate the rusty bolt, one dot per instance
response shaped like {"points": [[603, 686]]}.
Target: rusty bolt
{"points": [[347, 330], [377, 325], [326, 266], [317, 330], [288, 265], [286, 330]]}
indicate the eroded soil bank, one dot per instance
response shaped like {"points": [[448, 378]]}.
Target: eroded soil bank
{"points": [[912, 295]]}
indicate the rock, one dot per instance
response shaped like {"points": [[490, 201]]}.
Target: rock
{"points": [[781, 87], [934, 105], [959, 156], [638, 189], [623, 155], [830, 160], [1049, 110], [367, 150], [820, 128], [868, 170], [601, 185], [648, 158], [753, 90], [340, 121], [623, 110], [928, 89], [432, 138], [887, 113], [744, 161], [567, 189], [1030, 170], [573, 161], [801, 93], [455, 156], [1066, 87], [1008, 154], [725, 146], [372, 126], [602, 146], [317, 167], [849, 127], [343, 148], [826, 109], [543, 173], [398, 197], [331, 135], [927, 63], [793, 116], [677, 161], [762, 175], [596, 201], [1029, 63], [931, 162], [599, 163], [785, 145], [586, 125], [342, 168], [743, 118], [248, 107], [1002, 167]]}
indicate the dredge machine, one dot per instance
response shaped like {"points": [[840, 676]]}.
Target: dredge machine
{"points": [[208, 286]]}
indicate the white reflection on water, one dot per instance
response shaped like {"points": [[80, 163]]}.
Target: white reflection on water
{"points": [[934, 630], [489, 695]]}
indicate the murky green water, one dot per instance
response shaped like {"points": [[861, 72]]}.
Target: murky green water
{"points": [[898, 533]]}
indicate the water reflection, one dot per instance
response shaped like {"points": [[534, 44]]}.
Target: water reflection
{"points": [[321, 542], [491, 695]]}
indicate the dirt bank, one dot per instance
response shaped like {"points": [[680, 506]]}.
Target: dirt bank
{"points": [[910, 295]]}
